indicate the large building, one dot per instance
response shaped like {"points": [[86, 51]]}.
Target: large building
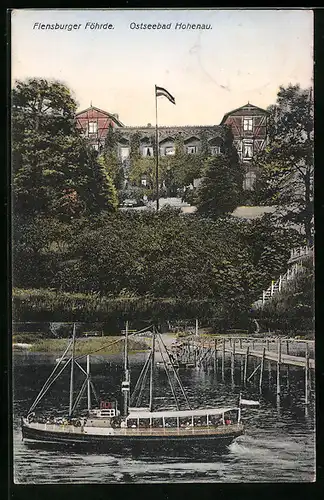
{"points": [[249, 127], [248, 123]]}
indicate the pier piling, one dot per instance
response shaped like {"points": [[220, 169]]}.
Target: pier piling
{"points": [[246, 364], [223, 360], [307, 374], [233, 361], [287, 371], [278, 366], [251, 358], [261, 370]]}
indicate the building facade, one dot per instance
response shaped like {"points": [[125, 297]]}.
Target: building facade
{"points": [[248, 123], [249, 127]]}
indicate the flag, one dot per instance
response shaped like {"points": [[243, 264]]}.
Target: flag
{"points": [[161, 91], [249, 402]]}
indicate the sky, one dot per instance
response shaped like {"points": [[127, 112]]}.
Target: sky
{"points": [[244, 57]]}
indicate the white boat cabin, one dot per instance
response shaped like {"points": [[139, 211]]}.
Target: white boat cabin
{"points": [[142, 417]]}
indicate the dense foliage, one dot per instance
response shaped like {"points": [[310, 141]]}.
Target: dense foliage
{"points": [[292, 310], [55, 172], [76, 258], [145, 255], [221, 188], [175, 171], [286, 166]]}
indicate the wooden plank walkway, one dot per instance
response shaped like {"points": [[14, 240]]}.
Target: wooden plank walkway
{"points": [[206, 351], [270, 355], [286, 359]]}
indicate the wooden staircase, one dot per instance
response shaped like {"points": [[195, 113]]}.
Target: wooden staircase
{"points": [[297, 256]]}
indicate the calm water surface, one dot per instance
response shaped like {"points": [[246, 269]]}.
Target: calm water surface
{"points": [[278, 446]]}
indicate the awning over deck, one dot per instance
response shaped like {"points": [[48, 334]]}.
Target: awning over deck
{"points": [[180, 413]]}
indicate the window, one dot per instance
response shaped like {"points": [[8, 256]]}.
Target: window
{"points": [[247, 151], [124, 153], [215, 150], [249, 181], [170, 150], [248, 124], [93, 127], [143, 182], [147, 151], [191, 149]]}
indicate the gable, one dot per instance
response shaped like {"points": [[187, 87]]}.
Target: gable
{"points": [[93, 113], [167, 139], [246, 110], [193, 138]]}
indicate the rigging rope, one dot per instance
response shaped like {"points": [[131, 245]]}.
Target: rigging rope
{"points": [[176, 375], [112, 343], [169, 378], [140, 378], [46, 387]]}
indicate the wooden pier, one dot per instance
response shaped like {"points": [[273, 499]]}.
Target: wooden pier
{"points": [[200, 352]]}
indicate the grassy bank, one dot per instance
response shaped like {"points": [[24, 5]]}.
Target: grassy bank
{"points": [[85, 345]]}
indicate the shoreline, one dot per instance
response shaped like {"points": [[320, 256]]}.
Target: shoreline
{"points": [[107, 345]]}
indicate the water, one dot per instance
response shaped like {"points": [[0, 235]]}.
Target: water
{"points": [[278, 446]]}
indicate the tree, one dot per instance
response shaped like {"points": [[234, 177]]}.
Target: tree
{"points": [[135, 143], [204, 148], [111, 140], [219, 191], [180, 170], [109, 158], [42, 105], [143, 167], [269, 248], [286, 165], [237, 171], [55, 171], [216, 268]]}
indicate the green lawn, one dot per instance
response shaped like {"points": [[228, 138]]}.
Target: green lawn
{"points": [[83, 345]]}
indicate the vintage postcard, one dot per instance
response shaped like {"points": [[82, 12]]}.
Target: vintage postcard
{"points": [[162, 246]]}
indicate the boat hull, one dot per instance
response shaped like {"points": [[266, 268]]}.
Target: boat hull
{"points": [[119, 441]]}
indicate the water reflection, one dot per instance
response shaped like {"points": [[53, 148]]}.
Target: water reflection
{"points": [[278, 444]]}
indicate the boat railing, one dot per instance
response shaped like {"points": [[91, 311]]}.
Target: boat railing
{"points": [[210, 429], [222, 429]]}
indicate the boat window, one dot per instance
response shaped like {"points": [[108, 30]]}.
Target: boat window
{"points": [[230, 417], [132, 422], [144, 423], [200, 421], [185, 422], [157, 422], [171, 422], [215, 420]]}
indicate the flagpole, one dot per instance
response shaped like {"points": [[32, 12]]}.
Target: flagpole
{"points": [[156, 153]]}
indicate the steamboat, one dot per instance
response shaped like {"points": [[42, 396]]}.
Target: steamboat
{"points": [[104, 425]]}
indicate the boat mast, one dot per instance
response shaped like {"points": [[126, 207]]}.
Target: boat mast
{"points": [[126, 383], [88, 382], [72, 372], [152, 370]]}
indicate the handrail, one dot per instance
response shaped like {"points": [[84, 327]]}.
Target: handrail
{"points": [[277, 285]]}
